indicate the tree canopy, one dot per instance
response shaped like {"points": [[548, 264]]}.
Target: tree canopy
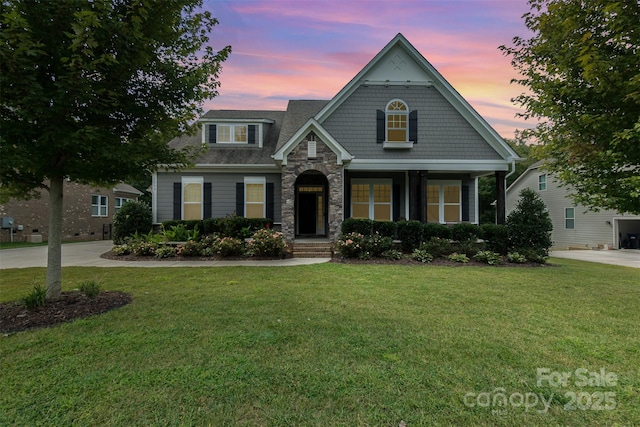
{"points": [[92, 91], [581, 69]]}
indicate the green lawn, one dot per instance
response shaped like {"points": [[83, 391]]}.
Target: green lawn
{"points": [[332, 344]]}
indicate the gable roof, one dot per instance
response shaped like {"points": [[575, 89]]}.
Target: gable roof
{"points": [[524, 174], [434, 79], [298, 113]]}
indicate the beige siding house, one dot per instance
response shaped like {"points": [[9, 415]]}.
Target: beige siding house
{"points": [[574, 227]]}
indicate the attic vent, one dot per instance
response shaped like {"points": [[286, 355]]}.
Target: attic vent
{"points": [[311, 148]]}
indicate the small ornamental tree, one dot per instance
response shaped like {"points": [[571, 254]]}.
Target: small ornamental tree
{"points": [[529, 225], [133, 217]]}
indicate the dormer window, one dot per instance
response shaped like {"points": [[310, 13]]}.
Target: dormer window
{"points": [[397, 127], [232, 133]]}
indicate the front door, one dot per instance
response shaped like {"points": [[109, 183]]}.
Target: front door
{"points": [[311, 210]]}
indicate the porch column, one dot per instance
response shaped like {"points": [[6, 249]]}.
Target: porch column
{"points": [[500, 197], [414, 195]]}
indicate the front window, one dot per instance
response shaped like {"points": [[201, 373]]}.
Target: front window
{"points": [[542, 182], [371, 199], [232, 134], [99, 205], [254, 196], [569, 218], [192, 198], [444, 201], [396, 121]]}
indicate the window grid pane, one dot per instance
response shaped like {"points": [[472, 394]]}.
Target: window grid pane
{"points": [[240, 134], [255, 193], [224, 133], [360, 193]]}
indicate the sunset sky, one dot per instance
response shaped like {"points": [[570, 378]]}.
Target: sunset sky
{"points": [[310, 49]]}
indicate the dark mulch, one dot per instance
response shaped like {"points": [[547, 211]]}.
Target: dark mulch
{"points": [[15, 317]]}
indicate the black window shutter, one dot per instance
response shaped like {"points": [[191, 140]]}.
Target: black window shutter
{"points": [[396, 201], [380, 137], [413, 126], [206, 199], [251, 134], [212, 134], [177, 200], [465, 203], [270, 201], [240, 198]]}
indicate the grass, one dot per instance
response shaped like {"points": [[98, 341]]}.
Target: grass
{"points": [[328, 345]]}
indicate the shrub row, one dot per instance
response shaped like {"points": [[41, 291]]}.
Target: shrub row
{"points": [[230, 226], [262, 243]]}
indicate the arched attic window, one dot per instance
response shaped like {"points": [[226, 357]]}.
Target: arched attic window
{"points": [[397, 115], [397, 127]]}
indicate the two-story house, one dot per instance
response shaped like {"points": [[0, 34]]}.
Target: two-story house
{"points": [[397, 142]]}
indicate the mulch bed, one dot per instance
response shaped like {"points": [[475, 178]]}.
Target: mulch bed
{"points": [[15, 317]]}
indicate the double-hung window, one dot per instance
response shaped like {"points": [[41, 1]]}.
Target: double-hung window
{"points": [[254, 197], [542, 182], [192, 196], [569, 218], [444, 201], [371, 199], [236, 134], [99, 205]]}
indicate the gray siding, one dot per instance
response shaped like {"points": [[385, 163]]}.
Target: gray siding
{"points": [[591, 230], [223, 192], [442, 132]]}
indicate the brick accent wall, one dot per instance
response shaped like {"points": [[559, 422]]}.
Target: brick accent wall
{"points": [[325, 162]]}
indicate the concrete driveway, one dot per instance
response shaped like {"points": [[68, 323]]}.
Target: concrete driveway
{"points": [[87, 254], [623, 257]]}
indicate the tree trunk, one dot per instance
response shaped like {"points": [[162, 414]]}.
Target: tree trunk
{"points": [[54, 249]]}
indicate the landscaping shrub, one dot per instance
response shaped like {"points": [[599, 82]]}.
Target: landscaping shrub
{"points": [[90, 288], [267, 243], [516, 258], [133, 217], [189, 248], [166, 251], [362, 226], [530, 226], [375, 244], [458, 257], [488, 257], [392, 255], [230, 226], [384, 228], [228, 246], [35, 298], [467, 247], [120, 250], [464, 231], [180, 233], [496, 237], [143, 248], [410, 234], [350, 245], [434, 229], [437, 247], [421, 255]]}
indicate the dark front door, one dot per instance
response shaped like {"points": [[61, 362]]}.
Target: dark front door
{"points": [[307, 213]]}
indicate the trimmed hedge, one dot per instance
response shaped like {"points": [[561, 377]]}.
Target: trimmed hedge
{"points": [[496, 238], [367, 226]]}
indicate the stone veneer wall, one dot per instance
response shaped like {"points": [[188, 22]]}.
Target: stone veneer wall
{"points": [[298, 162]]}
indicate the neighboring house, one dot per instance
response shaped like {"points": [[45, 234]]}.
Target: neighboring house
{"points": [[397, 142], [574, 227], [88, 213]]}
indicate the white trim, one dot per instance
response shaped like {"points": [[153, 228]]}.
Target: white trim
{"points": [[245, 121], [312, 125], [256, 180], [446, 165], [397, 145], [100, 205]]}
